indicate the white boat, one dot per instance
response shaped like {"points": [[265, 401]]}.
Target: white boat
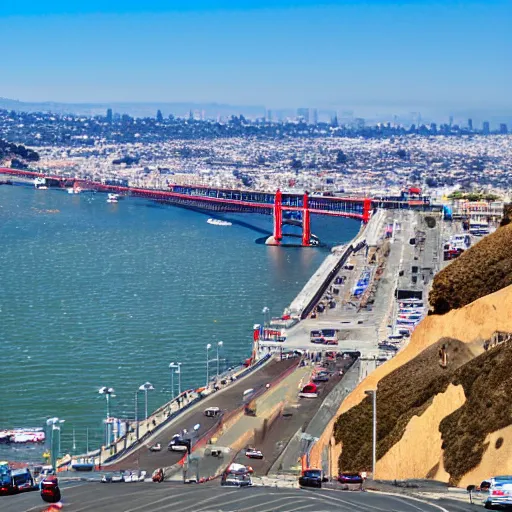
{"points": [[74, 190], [40, 184], [113, 198], [218, 222]]}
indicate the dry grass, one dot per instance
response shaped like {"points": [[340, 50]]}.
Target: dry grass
{"points": [[405, 392], [487, 381], [483, 269]]}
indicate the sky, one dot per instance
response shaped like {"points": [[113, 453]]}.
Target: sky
{"points": [[277, 53]]}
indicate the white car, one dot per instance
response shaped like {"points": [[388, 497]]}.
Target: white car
{"points": [[252, 453]]}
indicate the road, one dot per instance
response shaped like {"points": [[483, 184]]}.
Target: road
{"points": [[149, 497], [227, 400], [297, 414]]}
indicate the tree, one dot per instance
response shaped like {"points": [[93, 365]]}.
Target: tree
{"points": [[159, 116], [401, 153], [296, 164], [341, 158]]}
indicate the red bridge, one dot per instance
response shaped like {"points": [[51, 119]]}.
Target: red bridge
{"points": [[241, 201]]}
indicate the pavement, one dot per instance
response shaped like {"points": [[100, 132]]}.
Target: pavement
{"points": [[227, 399], [150, 497]]}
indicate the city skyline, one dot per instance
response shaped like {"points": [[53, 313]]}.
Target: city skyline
{"points": [[414, 55]]}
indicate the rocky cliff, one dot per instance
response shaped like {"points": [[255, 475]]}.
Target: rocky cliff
{"points": [[443, 401]]}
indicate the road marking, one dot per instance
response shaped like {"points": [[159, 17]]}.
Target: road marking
{"points": [[364, 506], [88, 506], [295, 509], [167, 497], [223, 504], [269, 502], [411, 498], [196, 504]]}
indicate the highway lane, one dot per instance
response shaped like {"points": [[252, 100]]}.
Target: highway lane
{"points": [[227, 400], [148, 497]]}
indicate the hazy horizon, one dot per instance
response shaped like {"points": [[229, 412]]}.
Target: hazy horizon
{"points": [[420, 54]]}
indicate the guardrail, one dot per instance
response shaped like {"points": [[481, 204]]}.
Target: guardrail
{"points": [[172, 416]]}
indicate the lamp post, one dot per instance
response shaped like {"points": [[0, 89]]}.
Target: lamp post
{"points": [[265, 312], [108, 392], [373, 394], [147, 386], [178, 371], [171, 367], [208, 347], [137, 414], [219, 346], [55, 424]]}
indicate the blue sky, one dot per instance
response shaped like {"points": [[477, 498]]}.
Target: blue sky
{"points": [[278, 53]]}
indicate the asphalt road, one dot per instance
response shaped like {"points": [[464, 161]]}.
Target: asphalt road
{"points": [[227, 400], [293, 419], [149, 497]]}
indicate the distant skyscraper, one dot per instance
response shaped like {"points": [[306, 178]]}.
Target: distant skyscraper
{"points": [[486, 128], [269, 116], [334, 120], [109, 116], [159, 116], [503, 129], [303, 114], [470, 124], [450, 122], [313, 115], [433, 127], [359, 123]]}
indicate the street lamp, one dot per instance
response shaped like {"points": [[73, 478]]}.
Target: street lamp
{"points": [[147, 386], [265, 312], [373, 394], [208, 347], [55, 423], [177, 370], [219, 345], [171, 367], [108, 392]]}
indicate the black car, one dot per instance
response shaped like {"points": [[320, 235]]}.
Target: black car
{"points": [[312, 478]]}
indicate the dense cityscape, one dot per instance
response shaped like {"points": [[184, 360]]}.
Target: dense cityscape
{"points": [[262, 154]]}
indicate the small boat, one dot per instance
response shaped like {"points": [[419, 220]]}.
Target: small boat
{"points": [[219, 222], [113, 198]]}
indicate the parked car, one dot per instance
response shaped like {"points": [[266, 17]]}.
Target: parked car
{"points": [[177, 444], [252, 453], [112, 478], [500, 492], [312, 478], [155, 448], [236, 479], [350, 478], [321, 377], [106, 478]]}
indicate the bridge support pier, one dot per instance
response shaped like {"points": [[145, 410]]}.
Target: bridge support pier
{"points": [[306, 222], [367, 207], [278, 217]]}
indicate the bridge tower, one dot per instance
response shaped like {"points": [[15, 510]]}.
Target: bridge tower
{"points": [[278, 217], [306, 221], [367, 207]]}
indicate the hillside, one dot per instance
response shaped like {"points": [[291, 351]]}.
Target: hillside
{"points": [[434, 422], [483, 269], [18, 154]]}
